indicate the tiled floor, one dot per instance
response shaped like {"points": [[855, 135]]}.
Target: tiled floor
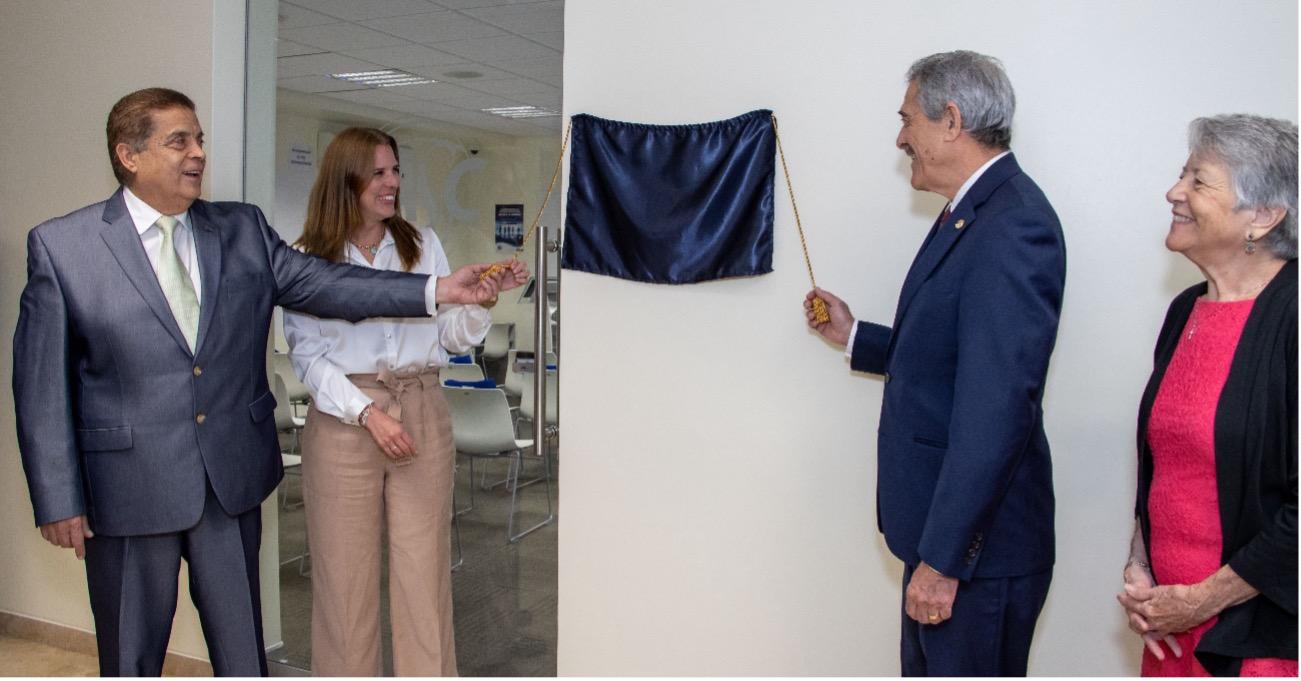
{"points": [[21, 657], [504, 595]]}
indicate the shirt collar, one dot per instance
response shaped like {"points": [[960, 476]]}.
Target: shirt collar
{"points": [[385, 242], [144, 215], [966, 186]]}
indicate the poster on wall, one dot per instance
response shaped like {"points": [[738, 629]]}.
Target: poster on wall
{"points": [[510, 226], [301, 155]]}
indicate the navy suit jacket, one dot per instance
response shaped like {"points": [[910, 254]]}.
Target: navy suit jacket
{"points": [[964, 479], [117, 418]]}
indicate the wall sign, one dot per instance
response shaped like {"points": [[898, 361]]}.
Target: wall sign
{"points": [[510, 226]]}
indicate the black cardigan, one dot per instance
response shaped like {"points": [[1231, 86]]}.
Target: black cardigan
{"points": [[1255, 469]]}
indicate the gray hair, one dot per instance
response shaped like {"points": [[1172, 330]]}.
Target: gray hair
{"points": [[1261, 156], [979, 87]]}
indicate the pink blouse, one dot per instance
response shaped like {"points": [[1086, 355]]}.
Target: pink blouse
{"points": [[1186, 539]]}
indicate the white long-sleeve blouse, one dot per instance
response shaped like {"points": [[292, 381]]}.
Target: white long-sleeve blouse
{"points": [[324, 351]]}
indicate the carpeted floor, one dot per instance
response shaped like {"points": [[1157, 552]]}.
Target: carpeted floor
{"points": [[504, 594]]}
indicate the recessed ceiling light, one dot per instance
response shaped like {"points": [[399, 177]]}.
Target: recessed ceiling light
{"points": [[519, 111], [383, 78]]}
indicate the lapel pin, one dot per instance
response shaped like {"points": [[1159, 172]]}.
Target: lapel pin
{"points": [[959, 224]]}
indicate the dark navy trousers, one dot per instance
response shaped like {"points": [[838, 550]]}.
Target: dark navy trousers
{"points": [[988, 635], [133, 590]]}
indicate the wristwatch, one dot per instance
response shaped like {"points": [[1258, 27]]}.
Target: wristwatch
{"points": [[364, 415]]}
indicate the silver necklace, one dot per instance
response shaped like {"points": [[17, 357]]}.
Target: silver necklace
{"points": [[369, 249], [1192, 322]]}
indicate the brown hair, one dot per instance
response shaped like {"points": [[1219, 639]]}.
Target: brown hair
{"points": [[131, 122], [334, 209]]}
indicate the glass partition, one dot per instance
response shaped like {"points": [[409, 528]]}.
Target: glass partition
{"points": [[470, 153]]}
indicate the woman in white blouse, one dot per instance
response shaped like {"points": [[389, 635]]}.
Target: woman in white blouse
{"points": [[377, 448]]}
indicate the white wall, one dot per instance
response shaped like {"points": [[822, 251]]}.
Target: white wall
{"points": [[247, 90], [719, 458], [58, 88]]}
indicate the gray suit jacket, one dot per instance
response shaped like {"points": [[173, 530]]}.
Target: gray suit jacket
{"points": [[117, 419]]}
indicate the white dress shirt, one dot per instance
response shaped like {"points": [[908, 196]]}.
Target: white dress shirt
{"points": [[957, 200], [151, 237], [324, 351]]}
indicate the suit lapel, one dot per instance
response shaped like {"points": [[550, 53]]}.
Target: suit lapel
{"points": [[937, 243], [961, 220], [208, 244], [124, 243]]}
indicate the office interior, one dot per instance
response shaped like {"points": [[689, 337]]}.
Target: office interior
{"points": [[476, 112], [719, 471], [478, 125]]}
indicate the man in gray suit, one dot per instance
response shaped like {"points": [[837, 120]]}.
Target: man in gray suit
{"points": [[143, 407]]}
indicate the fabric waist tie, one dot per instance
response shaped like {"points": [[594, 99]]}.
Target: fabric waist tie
{"points": [[397, 384]]}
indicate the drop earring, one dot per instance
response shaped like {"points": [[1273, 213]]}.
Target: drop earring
{"points": [[1249, 244]]}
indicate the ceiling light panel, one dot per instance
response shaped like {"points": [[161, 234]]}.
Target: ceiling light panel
{"points": [[520, 112], [383, 78]]}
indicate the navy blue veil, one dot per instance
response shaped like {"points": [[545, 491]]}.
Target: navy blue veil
{"points": [[671, 204]]}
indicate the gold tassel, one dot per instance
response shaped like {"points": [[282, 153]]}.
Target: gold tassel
{"points": [[820, 313], [496, 268]]}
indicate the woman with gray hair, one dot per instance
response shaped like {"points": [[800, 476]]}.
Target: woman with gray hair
{"points": [[1211, 582]]}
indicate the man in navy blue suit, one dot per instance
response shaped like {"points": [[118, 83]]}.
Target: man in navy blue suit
{"points": [[964, 478]]}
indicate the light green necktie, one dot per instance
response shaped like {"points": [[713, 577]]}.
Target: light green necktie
{"points": [[175, 280]]}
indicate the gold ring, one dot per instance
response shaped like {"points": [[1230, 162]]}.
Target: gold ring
{"points": [[932, 617]]}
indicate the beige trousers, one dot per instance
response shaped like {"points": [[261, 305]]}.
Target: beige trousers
{"points": [[349, 487]]}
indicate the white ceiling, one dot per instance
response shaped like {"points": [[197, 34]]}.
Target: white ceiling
{"points": [[514, 46]]}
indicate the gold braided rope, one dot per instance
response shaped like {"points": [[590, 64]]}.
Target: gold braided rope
{"points": [[545, 200], [820, 313]]}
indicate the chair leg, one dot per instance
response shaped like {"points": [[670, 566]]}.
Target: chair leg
{"points": [[483, 481], [551, 516], [303, 570], [284, 494], [510, 517], [467, 509], [456, 532], [546, 461], [539, 478]]}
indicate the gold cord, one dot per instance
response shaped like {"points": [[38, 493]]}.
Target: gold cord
{"points": [[564, 144], [820, 312], [559, 162]]}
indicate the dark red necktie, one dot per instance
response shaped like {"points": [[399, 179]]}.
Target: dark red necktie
{"points": [[935, 228]]}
